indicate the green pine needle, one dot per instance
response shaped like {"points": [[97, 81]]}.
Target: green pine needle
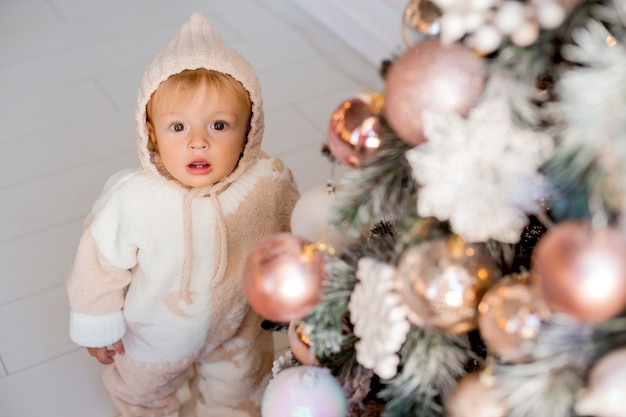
{"points": [[381, 190], [432, 363]]}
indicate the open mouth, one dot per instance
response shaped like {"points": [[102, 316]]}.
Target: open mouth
{"points": [[199, 167], [196, 165]]}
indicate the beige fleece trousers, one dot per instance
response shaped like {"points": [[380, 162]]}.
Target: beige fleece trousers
{"points": [[229, 382]]}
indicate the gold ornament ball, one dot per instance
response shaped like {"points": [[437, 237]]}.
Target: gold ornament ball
{"points": [[473, 397], [441, 283], [582, 271], [423, 17], [283, 276], [434, 76], [510, 315]]}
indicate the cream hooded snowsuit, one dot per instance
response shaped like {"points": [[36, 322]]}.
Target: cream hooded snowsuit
{"points": [[159, 265]]}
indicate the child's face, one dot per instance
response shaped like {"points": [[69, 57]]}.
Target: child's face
{"points": [[200, 140]]}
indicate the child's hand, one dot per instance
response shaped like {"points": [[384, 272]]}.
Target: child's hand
{"points": [[105, 355]]}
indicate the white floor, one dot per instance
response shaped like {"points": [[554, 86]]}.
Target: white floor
{"points": [[69, 73]]}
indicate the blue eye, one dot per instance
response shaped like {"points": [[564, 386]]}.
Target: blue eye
{"points": [[177, 127], [219, 125]]}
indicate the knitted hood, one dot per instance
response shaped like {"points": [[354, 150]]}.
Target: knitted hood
{"points": [[198, 46]]}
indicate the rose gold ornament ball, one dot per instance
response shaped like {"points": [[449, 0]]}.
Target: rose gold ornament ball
{"points": [[582, 271], [474, 396], [301, 345], [442, 281], [282, 279], [354, 131], [431, 75], [605, 392], [510, 315]]}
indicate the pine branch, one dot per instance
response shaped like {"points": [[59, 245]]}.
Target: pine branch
{"points": [[515, 258], [547, 386], [431, 365], [609, 336], [328, 325], [575, 179], [381, 190]]}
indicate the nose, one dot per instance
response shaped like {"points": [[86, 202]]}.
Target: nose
{"points": [[199, 141]]}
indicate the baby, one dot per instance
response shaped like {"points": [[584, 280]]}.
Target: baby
{"points": [[155, 290]]}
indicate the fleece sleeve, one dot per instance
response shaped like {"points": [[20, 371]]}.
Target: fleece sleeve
{"points": [[96, 295], [96, 286]]}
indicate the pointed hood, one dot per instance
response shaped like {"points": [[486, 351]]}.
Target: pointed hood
{"points": [[199, 46]]}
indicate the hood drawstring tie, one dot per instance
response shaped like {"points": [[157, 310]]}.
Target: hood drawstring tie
{"points": [[221, 245]]}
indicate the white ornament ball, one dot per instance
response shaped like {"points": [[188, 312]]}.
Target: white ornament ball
{"points": [[526, 34], [312, 217], [452, 27], [473, 20], [509, 17], [486, 39], [549, 14], [304, 391], [605, 393], [481, 5]]}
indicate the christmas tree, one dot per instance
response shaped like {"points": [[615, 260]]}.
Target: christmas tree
{"points": [[472, 262]]}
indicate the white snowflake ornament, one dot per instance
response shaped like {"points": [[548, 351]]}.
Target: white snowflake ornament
{"points": [[480, 173], [378, 317]]}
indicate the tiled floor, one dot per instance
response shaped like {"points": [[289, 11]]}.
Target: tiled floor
{"points": [[69, 73]]}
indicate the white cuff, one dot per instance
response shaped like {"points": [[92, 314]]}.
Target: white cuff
{"points": [[97, 330]]}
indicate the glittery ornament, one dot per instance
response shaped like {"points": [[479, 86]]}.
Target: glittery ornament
{"points": [[304, 391], [474, 396], [282, 277], [442, 281], [312, 217], [582, 271], [354, 130], [300, 344], [605, 393], [431, 75], [510, 315]]}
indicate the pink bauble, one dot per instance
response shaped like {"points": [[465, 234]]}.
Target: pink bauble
{"points": [[301, 345], [434, 76], [510, 316], [304, 391], [354, 131], [582, 271], [605, 392], [282, 278], [474, 396]]}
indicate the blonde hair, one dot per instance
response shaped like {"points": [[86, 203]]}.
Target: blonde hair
{"points": [[182, 86]]}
